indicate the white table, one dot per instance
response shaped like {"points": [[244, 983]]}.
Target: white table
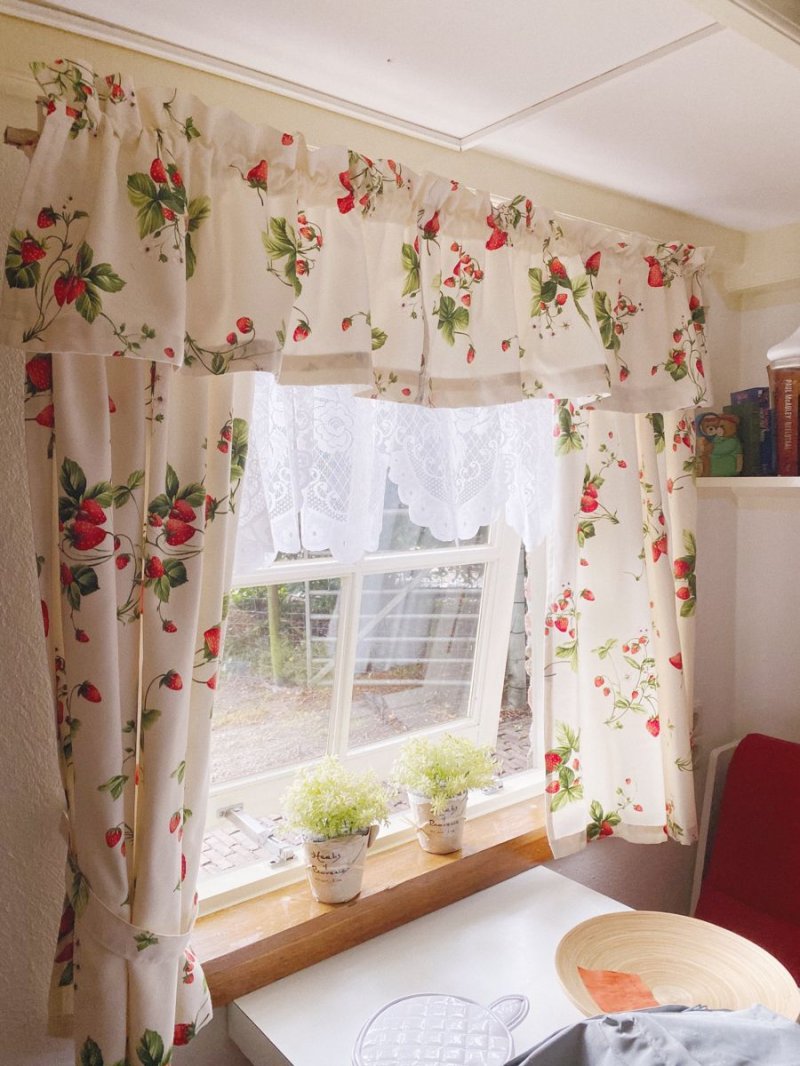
{"points": [[495, 943]]}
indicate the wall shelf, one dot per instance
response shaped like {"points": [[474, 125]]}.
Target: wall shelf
{"points": [[748, 486]]}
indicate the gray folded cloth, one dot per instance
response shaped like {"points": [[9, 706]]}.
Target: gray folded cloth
{"points": [[672, 1036]]}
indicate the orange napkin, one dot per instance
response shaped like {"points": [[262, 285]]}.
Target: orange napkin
{"points": [[614, 991]]}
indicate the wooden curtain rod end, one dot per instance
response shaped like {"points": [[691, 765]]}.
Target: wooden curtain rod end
{"points": [[23, 139]]}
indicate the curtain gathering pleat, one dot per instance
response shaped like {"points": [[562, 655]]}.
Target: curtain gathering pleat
{"points": [[159, 246]]}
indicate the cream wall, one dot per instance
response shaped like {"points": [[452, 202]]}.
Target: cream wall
{"points": [[31, 848]]}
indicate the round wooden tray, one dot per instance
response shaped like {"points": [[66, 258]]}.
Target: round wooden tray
{"points": [[681, 960]]}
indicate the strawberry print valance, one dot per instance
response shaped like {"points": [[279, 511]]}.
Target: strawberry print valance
{"points": [[155, 227]]}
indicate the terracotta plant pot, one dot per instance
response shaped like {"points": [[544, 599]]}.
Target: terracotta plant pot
{"points": [[439, 833], [335, 867]]}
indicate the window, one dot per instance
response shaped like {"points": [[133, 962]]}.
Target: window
{"points": [[322, 656]]}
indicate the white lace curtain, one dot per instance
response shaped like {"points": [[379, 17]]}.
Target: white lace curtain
{"points": [[319, 459]]}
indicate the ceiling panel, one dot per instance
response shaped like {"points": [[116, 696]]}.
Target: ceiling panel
{"points": [[710, 130], [452, 68]]}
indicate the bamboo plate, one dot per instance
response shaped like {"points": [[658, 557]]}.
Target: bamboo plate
{"points": [[681, 960]]}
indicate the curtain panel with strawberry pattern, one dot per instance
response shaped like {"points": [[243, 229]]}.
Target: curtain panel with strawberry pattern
{"points": [[189, 245]]}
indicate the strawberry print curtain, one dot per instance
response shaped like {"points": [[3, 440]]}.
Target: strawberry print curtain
{"points": [[135, 472], [160, 249], [618, 631]]}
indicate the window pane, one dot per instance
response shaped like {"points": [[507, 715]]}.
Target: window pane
{"points": [[416, 648], [513, 743], [274, 697]]}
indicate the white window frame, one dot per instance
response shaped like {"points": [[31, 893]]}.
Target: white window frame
{"points": [[261, 793]]}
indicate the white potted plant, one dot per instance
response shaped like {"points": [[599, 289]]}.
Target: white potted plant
{"points": [[437, 776], [338, 812]]}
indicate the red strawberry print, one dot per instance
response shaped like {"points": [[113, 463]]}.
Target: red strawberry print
{"points": [[606, 829], [157, 172], [470, 354], [551, 761], [181, 509], [497, 239], [113, 836], [599, 682], [587, 594], [301, 332], [588, 503], [184, 1031], [66, 952], [552, 788], [683, 593], [466, 299], [153, 568], [212, 638], [31, 251], [212, 681], [561, 624], [624, 374], [66, 575], [557, 268], [67, 289], [676, 661], [258, 173], [172, 680], [561, 299], [450, 283], [699, 365], [655, 276], [81, 636], [178, 532], [659, 548], [505, 345], [677, 336], [592, 264], [89, 692], [653, 726], [244, 325], [223, 446], [681, 568], [170, 353], [122, 561], [210, 507], [167, 214], [183, 867], [168, 626], [91, 511], [86, 535], [174, 821], [406, 392], [287, 139], [47, 218], [346, 203], [39, 372], [431, 227], [694, 303], [154, 519], [346, 324], [47, 417], [67, 922], [300, 267]]}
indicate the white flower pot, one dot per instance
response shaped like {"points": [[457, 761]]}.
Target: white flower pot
{"points": [[439, 833], [335, 867]]}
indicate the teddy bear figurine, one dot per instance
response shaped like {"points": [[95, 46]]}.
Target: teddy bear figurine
{"points": [[719, 450]]}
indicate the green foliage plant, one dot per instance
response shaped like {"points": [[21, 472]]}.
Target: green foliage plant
{"points": [[443, 769], [327, 800]]}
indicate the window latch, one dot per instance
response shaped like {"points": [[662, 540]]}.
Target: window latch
{"points": [[261, 830]]}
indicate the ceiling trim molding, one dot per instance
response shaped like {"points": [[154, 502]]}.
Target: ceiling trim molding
{"points": [[591, 83], [86, 26], [759, 22]]}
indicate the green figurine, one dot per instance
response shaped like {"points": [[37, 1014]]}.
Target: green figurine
{"points": [[719, 449]]}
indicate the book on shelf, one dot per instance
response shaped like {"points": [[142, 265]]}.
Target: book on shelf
{"points": [[785, 387]]}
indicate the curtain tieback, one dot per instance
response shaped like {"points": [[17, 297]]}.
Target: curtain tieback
{"points": [[128, 941], [116, 934]]}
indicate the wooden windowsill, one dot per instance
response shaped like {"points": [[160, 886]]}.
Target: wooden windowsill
{"points": [[261, 940]]}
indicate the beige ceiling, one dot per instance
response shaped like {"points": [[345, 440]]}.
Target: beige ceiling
{"points": [[658, 100]]}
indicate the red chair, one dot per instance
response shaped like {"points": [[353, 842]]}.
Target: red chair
{"points": [[751, 882]]}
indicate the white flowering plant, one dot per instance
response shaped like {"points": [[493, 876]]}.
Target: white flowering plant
{"points": [[443, 769], [327, 800]]}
